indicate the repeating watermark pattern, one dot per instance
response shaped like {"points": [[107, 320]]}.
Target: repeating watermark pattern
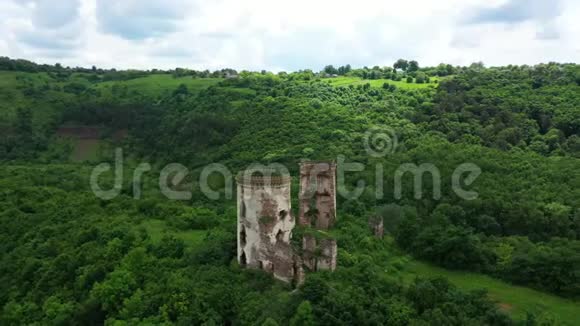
{"points": [[117, 180], [378, 142]]}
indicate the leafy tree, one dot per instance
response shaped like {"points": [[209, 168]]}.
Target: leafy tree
{"points": [[24, 121], [421, 78], [304, 315], [112, 292], [413, 66], [330, 70], [269, 322], [401, 64]]}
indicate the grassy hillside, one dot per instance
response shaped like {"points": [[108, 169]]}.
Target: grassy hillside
{"points": [[513, 299], [35, 90], [157, 229], [48, 93], [159, 84], [346, 81], [517, 301]]}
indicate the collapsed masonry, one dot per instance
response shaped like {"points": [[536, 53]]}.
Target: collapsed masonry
{"points": [[376, 224], [265, 222], [318, 210]]}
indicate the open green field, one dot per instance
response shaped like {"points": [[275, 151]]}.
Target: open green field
{"points": [[42, 92], [346, 81], [157, 229], [160, 84], [515, 300]]}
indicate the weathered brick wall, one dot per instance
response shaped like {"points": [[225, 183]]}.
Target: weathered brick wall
{"points": [[318, 194]]}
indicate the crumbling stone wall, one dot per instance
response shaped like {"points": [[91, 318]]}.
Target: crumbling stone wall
{"points": [[376, 224], [319, 254], [318, 210], [328, 251], [265, 224], [318, 194], [309, 251]]}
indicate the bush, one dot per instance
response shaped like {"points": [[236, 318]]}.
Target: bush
{"points": [[421, 78]]}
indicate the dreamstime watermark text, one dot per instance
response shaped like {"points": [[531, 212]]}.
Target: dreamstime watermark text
{"points": [[379, 142]]}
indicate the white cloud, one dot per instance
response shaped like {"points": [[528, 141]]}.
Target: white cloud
{"points": [[289, 35]]}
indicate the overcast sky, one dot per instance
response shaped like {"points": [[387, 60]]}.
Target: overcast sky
{"points": [[288, 35]]}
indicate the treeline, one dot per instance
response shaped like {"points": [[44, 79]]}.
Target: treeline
{"points": [[402, 69], [405, 67], [60, 72]]}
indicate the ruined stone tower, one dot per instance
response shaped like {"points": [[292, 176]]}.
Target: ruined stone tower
{"points": [[318, 211], [265, 224], [265, 221]]}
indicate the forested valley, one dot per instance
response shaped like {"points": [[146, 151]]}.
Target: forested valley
{"points": [[68, 257]]}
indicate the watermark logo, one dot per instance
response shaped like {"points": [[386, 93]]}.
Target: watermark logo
{"points": [[117, 180], [380, 141]]}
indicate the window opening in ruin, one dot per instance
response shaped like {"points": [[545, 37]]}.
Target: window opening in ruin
{"points": [[319, 189], [283, 213], [243, 236], [243, 261], [243, 209], [313, 189], [279, 236], [328, 218], [312, 211]]}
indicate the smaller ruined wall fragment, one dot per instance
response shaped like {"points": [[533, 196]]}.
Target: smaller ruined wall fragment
{"points": [[318, 211], [376, 224], [318, 194], [328, 251], [319, 254]]}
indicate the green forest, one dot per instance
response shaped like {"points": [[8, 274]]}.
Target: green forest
{"points": [[510, 256]]}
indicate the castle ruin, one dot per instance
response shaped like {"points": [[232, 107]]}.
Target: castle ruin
{"points": [[265, 221], [318, 210]]}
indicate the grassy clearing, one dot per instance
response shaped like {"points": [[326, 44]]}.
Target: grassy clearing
{"points": [[157, 229], [85, 150], [35, 90], [161, 84], [346, 81], [516, 300], [43, 93]]}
